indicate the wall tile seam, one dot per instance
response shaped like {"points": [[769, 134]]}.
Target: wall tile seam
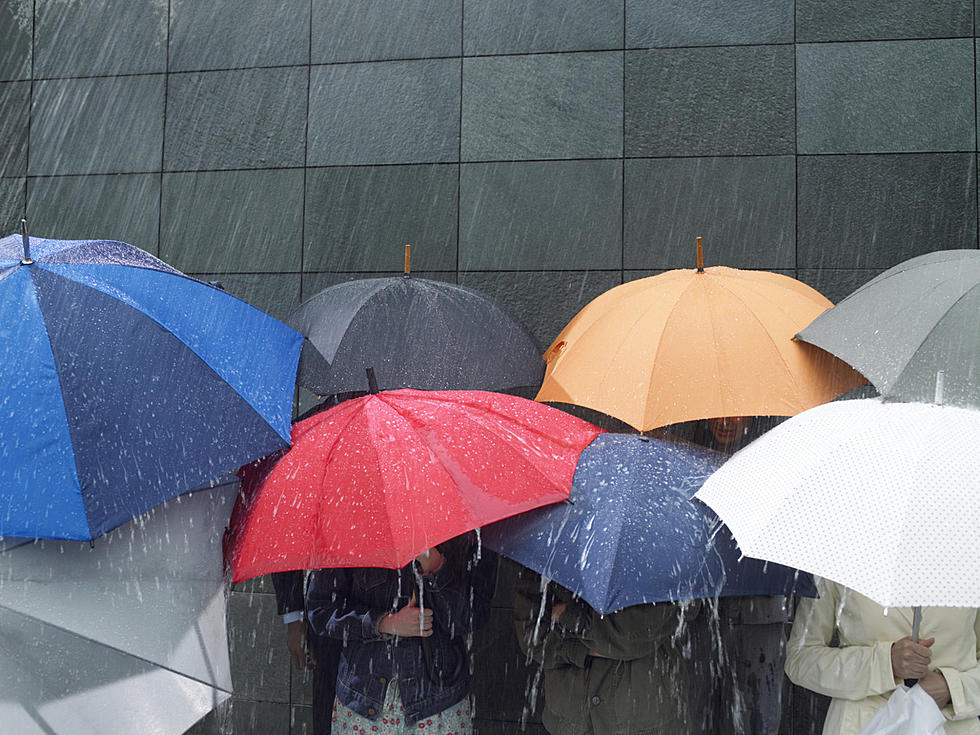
{"points": [[208, 70], [527, 271], [888, 39], [468, 162], [168, 72]]}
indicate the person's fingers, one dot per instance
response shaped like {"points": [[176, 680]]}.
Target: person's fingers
{"points": [[927, 642]]}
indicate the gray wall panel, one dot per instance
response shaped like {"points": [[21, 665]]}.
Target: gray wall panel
{"points": [[743, 208], [229, 34], [105, 37], [17, 20], [11, 205], [521, 27], [865, 20], [875, 211], [837, 283], [886, 96], [252, 118], [233, 221], [97, 126], [120, 207], [710, 102], [707, 22], [531, 215], [543, 106], [15, 101], [375, 30], [384, 112], [360, 218]]}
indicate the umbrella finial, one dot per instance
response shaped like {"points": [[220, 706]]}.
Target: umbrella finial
{"points": [[27, 242], [940, 378], [408, 259], [372, 381], [700, 256]]}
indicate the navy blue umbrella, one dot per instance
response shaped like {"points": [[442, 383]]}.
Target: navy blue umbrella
{"points": [[631, 532], [124, 383]]}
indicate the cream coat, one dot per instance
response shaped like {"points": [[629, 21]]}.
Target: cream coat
{"points": [[858, 673]]}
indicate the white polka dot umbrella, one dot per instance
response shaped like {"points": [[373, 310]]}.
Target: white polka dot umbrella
{"points": [[881, 497]]}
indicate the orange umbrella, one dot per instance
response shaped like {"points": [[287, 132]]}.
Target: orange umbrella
{"points": [[695, 344]]}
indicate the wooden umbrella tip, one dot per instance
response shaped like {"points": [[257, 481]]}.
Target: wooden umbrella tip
{"points": [[408, 259], [700, 256]]}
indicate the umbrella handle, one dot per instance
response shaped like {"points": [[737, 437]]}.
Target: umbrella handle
{"points": [[916, 623], [25, 238]]}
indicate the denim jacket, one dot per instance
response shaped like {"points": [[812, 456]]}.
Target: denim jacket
{"points": [[348, 604]]}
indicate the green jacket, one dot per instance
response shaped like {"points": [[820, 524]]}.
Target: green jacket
{"points": [[618, 674]]}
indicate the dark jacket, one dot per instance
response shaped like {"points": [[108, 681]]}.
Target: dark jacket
{"points": [[348, 604], [616, 674]]}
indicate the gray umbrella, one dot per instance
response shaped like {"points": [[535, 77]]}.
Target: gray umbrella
{"points": [[415, 333], [914, 320]]}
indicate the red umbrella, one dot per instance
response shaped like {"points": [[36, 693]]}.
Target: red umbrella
{"points": [[377, 480]]}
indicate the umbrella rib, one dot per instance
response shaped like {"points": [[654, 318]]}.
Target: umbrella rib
{"points": [[129, 654], [127, 301], [64, 409], [660, 344], [323, 483], [768, 334], [933, 328], [490, 410], [656, 354]]}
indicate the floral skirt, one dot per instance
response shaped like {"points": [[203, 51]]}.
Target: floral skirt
{"points": [[456, 719]]}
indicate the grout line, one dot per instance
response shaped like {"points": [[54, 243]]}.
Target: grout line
{"points": [[163, 134], [976, 124], [622, 163], [459, 142], [30, 110], [796, 151], [306, 158]]}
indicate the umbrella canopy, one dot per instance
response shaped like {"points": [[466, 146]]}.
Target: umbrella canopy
{"points": [[123, 637], [416, 333], [377, 480], [911, 322], [123, 383], [693, 344], [631, 534], [880, 497]]}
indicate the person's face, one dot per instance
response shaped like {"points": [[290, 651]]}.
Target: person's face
{"points": [[729, 429]]}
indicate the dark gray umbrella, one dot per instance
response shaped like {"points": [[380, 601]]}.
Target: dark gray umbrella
{"points": [[914, 320], [415, 333]]}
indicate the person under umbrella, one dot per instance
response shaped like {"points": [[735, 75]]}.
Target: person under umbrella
{"points": [[741, 638], [876, 652], [610, 674], [404, 665], [880, 497]]}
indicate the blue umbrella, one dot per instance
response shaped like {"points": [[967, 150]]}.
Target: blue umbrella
{"points": [[631, 532], [123, 383]]}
